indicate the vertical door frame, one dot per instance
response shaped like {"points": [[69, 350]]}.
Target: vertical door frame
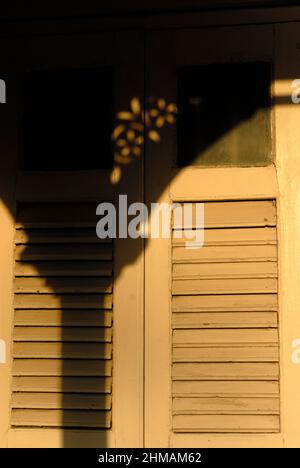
{"points": [[204, 184]]}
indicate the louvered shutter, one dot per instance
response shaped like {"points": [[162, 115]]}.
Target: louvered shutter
{"points": [[62, 350], [225, 370]]}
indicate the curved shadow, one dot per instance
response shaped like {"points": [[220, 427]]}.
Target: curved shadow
{"points": [[89, 352]]}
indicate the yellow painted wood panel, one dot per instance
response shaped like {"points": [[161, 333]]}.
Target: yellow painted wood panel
{"points": [[224, 320], [226, 405], [64, 301], [225, 270], [61, 268], [63, 318], [224, 286], [198, 337], [47, 236], [63, 252], [227, 253], [225, 339], [236, 236], [237, 214], [59, 400], [202, 388], [59, 215], [62, 350], [60, 418], [62, 384], [225, 423], [62, 367], [88, 334], [230, 303], [227, 354], [62, 285], [225, 371]]}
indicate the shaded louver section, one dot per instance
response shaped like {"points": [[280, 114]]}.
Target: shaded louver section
{"points": [[62, 350]]}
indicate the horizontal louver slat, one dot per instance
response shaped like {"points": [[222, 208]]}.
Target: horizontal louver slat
{"points": [[230, 253], [225, 371], [241, 214], [64, 301], [57, 400], [226, 405], [61, 418], [61, 367], [229, 354], [224, 320], [32, 252], [223, 286], [62, 384], [61, 268], [225, 423], [73, 285], [63, 334], [236, 236], [225, 270], [63, 318], [68, 350], [47, 236], [204, 388]]}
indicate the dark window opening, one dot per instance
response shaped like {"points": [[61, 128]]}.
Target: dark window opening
{"points": [[68, 119], [224, 115]]}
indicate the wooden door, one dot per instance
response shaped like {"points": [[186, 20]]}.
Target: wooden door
{"points": [[201, 367], [211, 319], [73, 320]]}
